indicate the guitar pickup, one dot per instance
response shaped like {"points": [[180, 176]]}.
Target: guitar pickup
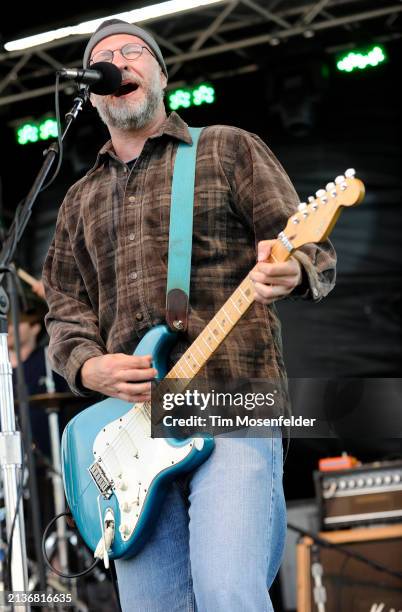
{"points": [[99, 477]]}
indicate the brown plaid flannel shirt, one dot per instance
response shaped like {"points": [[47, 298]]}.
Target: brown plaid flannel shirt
{"points": [[105, 272]]}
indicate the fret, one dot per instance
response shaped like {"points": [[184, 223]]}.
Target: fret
{"points": [[210, 334], [205, 342], [226, 314], [244, 295], [189, 364], [196, 345], [250, 288], [172, 373], [235, 305], [190, 356], [178, 364], [217, 320], [215, 331]]}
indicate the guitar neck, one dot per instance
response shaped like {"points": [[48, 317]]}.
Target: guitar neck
{"points": [[205, 345]]}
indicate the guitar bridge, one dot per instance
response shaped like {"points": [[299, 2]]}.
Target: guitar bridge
{"points": [[99, 477]]}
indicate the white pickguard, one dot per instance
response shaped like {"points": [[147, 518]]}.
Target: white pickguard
{"points": [[131, 459]]}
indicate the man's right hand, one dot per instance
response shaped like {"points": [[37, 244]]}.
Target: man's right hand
{"points": [[126, 377]]}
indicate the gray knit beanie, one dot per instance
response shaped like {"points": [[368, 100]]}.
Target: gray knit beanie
{"points": [[117, 26]]}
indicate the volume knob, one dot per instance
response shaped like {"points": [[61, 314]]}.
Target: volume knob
{"points": [[124, 529], [121, 484]]}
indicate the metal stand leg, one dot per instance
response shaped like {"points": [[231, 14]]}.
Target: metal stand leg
{"points": [[11, 461], [58, 490]]}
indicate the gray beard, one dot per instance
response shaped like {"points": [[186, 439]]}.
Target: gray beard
{"points": [[126, 117]]}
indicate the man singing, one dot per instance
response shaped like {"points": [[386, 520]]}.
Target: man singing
{"points": [[105, 277]]}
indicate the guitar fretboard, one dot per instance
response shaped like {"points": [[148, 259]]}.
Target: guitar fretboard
{"points": [[219, 327]]}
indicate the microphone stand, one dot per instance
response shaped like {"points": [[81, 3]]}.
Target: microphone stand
{"points": [[10, 439]]}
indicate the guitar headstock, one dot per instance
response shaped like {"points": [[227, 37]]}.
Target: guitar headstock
{"points": [[314, 221]]}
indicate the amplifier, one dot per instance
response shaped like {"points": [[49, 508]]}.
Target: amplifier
{"points": [[370, 493], [350, 585]]}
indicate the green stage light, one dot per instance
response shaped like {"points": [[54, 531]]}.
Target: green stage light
{"points": [[204, 93], [27, 133], [33, 131], [360, 60], [48, 129]]}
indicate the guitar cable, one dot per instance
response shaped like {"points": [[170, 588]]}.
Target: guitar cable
{"points": [[46, 558], [112, 569]]}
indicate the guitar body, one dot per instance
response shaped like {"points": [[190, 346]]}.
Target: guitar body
{"points": [[114, 472]]}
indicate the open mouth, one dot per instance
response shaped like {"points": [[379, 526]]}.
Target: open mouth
{"points": [[125, 89]]}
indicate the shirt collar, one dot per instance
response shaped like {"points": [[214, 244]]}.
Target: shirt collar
{"points": [[173, 126]]}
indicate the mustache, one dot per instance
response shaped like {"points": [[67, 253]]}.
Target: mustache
{"points": [[128, 77]]}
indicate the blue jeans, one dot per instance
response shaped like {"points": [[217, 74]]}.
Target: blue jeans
{"points": [[223, 552]]}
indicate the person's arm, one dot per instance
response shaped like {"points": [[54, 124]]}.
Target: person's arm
{"points": [[265, 197], [71, 322], [76, 348]]}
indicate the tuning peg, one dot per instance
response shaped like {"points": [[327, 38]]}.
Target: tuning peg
{"points": [[341, 181], [295, 220], [311, 199], [302, 206], [350, 173], [322, 194], [331, 189]]}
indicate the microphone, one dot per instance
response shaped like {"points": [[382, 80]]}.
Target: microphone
{"points": [[103, 78]]}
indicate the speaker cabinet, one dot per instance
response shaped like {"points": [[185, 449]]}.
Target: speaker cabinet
{"points": [[351, 585]]}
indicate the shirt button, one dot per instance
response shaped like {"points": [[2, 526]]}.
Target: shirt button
{"points": [[131, 199], [131, 236], [315, 291], [125, 169], [133, 275], [139, 316]]}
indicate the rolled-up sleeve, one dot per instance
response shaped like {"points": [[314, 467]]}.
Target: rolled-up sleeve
{"points": [[71, 322], [266, 198]]}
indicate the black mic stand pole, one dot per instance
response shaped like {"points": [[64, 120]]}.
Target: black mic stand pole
{"points": [[10, 440]]}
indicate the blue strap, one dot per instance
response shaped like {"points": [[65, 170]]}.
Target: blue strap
{"points": [[181, 221]]}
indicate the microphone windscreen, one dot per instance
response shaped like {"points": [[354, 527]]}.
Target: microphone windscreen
{"points": [[110, 81]]}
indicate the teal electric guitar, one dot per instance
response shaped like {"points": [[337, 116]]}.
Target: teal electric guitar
{"points": [[115, 474]]}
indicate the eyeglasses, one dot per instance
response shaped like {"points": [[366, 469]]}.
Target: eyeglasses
{"points": [[131, 52]]}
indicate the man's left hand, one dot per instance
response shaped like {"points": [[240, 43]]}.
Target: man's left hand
{"points": [[274, 281]]}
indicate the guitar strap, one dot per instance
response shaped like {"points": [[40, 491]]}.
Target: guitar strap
{"points": [[181, 234]]}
